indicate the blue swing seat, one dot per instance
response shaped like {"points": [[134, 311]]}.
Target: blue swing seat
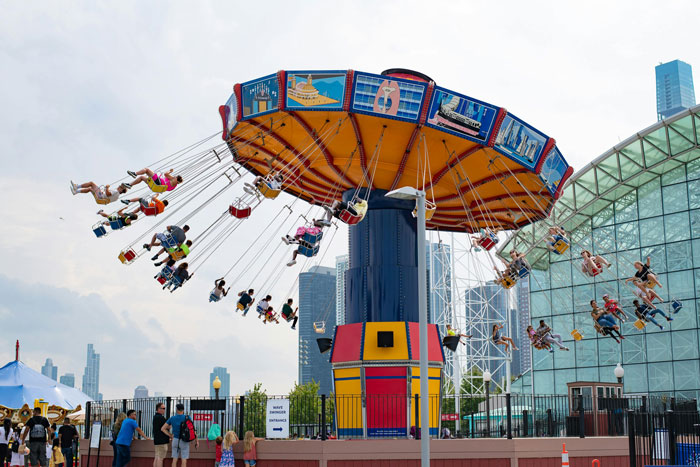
{"points": [[99, 230], [676, 305], [308, 250], [213, 297], [169, 242], [312, 239], [523, 273], [117, 224]]}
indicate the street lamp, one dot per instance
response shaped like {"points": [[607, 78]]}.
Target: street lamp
{"points": [[216, 384], [619, 372], [487, 382], [408, 193]]}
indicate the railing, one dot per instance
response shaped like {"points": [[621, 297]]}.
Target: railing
{"points": [[670, 438], [394, 416]]}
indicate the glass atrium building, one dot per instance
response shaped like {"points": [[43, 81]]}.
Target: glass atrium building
{"points": [[640, 199]]}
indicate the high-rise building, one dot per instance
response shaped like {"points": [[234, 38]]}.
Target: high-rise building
{"points": [[317, 300], [224, 377], [521, 320], [341, 265], [645, 203], [68, 379], [50, 370], [141, 392], [91, 377], [674, 88], [158, 394], [438, 262]]}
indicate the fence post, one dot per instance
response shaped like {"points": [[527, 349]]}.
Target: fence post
{"points": [[417, 417], [550, 423], [670, 423], [124, 405], [241, 416], [581, 419], [324, 435], [168, 404], [140, 424], [526, 422], [509, 415], [88, 425], [632, 443]]}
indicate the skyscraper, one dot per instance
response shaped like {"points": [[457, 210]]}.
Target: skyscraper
{"points": [[141, 392], [438, 262], [521, 320], [341, 265], [317, 300], [91, 377], [50, 370], [225, 378], [68, 379], [674, 88]]}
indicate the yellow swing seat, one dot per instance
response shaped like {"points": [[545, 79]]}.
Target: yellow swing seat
{"points": [[561, 246], [155, 188], [640, 324], [507, 282], [576, 334], [430, 209], [320, 327], [101, 201], [268, 192]]}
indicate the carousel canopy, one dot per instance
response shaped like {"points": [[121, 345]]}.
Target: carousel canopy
{"points": [[21, 385]]}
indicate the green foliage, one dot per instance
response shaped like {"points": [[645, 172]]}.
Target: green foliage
{"points": [[305, 405], [255, 411]]}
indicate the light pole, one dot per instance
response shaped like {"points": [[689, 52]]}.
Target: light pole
{"points": [[216, 384], [619, 372], [408, 192], [487, 382]]}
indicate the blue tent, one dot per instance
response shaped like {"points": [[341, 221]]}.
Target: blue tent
{"points": [[21, 385]]}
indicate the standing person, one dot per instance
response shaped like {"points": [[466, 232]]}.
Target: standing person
{"points": [[227, 459], [66, 434], [37, 429], [160, 439], [17, 454], [125, 436], [5, 435], [115, 432], [172, 428], [57, 459], [250, 454], [217, 459]]}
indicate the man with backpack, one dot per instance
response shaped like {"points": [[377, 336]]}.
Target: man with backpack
{"points": [[180, 429], [37, 429]]}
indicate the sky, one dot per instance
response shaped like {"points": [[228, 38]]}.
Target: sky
{"points": [[92, 89]]}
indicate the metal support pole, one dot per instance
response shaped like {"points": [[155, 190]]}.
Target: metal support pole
{"points": [[241, 415], [509, 421], [216, 412], [423, 327], [526, 422], [168, 405], [416, 418], [488, 409], [324, 435], [581, 420], [632, 444], [670, 423], [88, 425]]}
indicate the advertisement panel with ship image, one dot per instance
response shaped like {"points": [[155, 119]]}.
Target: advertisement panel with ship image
{"points": [[388, 96], [461, 115], [519, 141], [315, 90], [260, 96]]}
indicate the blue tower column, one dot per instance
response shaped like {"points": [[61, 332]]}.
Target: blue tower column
{"points": [[382, 280]]}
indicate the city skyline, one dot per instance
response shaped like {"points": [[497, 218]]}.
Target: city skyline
{"points": [[675, 90], [68, 379], [224, 377], [91, 374], [50, 370]]}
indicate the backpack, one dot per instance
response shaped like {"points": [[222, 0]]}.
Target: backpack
{"points": [[214, 432], [187, 431], [38, 430]]}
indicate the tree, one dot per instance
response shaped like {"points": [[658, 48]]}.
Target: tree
{"points": [[255, 409], [305, 407]]}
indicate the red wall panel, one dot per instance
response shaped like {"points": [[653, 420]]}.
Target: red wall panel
{"points": [[347, 345], [617, 461]]}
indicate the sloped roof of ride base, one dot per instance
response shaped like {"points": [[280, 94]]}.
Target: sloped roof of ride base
{"points": [[592, 191], [21, 385]]}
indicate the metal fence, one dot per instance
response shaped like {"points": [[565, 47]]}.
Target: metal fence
{"points": [[668, 438], [377, 416]]}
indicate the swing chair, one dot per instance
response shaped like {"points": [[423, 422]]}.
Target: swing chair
{"points": [[577, 335], [127, 256], [523, 272], [239, 209], [155, 188], [117, 224], [99, 230], [266, 190], [560, 246], [359, 207], [101, 201], [180, 252], [676, 305], [507, 281], [320, 327], [640, 324], [164, 275], [488, 241], [148, 209], [308, 250], [430, 208]]}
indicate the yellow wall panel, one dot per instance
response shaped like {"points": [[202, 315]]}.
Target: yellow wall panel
{"points": [[400, 349]]}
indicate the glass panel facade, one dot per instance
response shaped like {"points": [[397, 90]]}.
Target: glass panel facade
{"points": [[659, 219]]}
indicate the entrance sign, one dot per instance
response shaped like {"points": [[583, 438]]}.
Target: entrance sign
{"points": [[277, 418]]}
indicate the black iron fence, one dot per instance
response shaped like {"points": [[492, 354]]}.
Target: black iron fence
{"points": [[666, 438], [395, 416]]}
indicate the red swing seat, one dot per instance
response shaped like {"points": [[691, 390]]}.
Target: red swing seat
{"points": [[487, 242], [240, 213], [349, 218]]}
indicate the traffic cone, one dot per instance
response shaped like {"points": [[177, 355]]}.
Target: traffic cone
{"points": [[564, 456]]}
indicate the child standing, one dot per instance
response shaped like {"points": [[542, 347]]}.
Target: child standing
{"points": [[227, 459], [250, 455], [217, 460], [57, 459], [18, 449]]}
